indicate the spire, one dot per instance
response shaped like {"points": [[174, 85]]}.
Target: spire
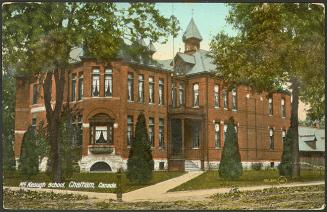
{"points": [[192, 31]]}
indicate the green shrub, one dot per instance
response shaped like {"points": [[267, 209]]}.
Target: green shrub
{"points": [[256, 166], [285, 166], [29, 158], [140, 162], [230, 166]]}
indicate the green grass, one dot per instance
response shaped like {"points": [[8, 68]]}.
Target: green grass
{"points": [[211, 179], [13, 179]]}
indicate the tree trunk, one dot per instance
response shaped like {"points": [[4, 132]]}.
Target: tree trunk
{"points": [[294, 128], [53, 118]]}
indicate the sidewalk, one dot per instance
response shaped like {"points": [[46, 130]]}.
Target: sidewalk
{"points": [[158, 192]]}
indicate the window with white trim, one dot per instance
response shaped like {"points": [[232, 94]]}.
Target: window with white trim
{"points": [[196, 95], [141, 88], [283, 107], [130, 87], [225, 96], [161, 92], [151, 89], [95, 82], [234, 99], [151, 131], [161, 132], [129, 130], [80, 86], [270, 106], [73, 97], [271, 138], [217, 135], [181, 94], [108, 82], [216, 96]]}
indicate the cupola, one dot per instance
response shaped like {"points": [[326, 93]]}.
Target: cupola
{"points": [[192, 38]]}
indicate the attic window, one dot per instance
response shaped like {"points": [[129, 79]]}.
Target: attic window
{"points": [[312, 143]]}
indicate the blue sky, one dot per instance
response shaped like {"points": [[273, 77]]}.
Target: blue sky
{"points": [[209, 18]]}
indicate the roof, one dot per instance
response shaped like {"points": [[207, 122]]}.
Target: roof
{"points": [[165, 64], [199, 61], [192, 31], [311, 139], [151, 47]]}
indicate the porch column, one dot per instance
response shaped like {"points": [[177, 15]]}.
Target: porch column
{"points": [[183, 136]]}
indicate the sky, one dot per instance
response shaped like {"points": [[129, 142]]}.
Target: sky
{"points": [[209, 18]]}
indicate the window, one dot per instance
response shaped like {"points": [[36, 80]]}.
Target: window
{"points": [[270, 106], [283, 135], [34, 123], [34, 100], [130, 86], [216, 96], [151, 89], [80, 86], [141, 88], [161, 91], [95, 82], [283, 109], [196, 138], [196, 95], [101, 129], [73, 98], [161, 133], [181, 93], [173, 94], [234, 99], [151, 131], [129, 130], [225, 95], [225, 132], [80, 130], [108, 82], [217, 135], [271, 138]]}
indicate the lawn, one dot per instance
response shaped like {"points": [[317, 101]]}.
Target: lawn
{"points": [[302, 197], [211, 179], [13, 179]]}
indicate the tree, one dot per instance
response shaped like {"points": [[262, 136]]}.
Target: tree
{"points": [[140, 163], [230, 166], [29, 159], [285, 166], [39, 37], [277, 45], [8, 121]]}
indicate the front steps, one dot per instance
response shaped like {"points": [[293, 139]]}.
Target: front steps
{"points": [[191, 166]]}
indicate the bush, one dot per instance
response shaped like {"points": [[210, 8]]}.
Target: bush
{"points": [[285, 166], [29, 158], [140, 163], [256, 166], [230, 166]]}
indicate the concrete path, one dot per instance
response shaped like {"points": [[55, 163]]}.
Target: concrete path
{"points": [[159, 189]]}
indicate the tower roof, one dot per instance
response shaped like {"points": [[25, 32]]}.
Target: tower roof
{"points": [[192, 31]]}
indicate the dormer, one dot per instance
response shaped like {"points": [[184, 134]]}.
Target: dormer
{"points": [[192, 38]]}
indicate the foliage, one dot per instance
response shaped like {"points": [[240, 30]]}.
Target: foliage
{"points": [[42, 141], [278, 44], [230, 166], [29, 160], [8, 120], [140, 163], [256, 166], [285, 166]]}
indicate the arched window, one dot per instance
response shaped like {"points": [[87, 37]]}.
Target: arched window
{"points": [[196, 95], [100, 166]]}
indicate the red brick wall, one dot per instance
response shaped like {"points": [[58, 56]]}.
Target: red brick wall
{"points": [[251, 115]]}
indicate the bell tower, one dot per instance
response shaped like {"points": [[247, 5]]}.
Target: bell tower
{"points": [[192, 38]]}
